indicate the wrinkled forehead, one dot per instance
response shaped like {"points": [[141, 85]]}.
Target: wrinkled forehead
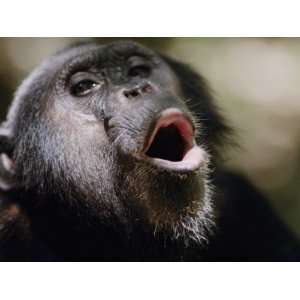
{"points": [[99, 55], [78, 57]]}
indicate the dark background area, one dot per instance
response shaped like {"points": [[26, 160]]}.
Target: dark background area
{"points": [[255, 81]]}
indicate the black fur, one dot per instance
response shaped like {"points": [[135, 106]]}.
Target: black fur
{"points": [[75, 187]]}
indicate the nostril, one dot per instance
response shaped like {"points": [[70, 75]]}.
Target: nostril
{"points": [[132, 93], [145, 89]]}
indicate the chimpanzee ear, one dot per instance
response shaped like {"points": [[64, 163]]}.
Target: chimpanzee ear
{"points": [[7, 171]]}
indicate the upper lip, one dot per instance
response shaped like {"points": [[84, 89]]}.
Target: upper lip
{"points": [[171, 144]]}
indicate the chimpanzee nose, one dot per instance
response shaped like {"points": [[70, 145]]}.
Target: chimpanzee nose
{"points": [[138, 91]]}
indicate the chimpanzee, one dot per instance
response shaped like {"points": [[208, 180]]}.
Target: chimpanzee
{"points": [[114, 153]]}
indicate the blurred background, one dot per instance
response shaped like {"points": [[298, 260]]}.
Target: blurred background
{"points": [[255, 81]]}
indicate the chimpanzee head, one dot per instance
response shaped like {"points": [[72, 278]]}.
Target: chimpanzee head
{"points": [[117, 133]]}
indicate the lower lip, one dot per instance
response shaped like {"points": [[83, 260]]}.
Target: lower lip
{"points": [[193, 160]]}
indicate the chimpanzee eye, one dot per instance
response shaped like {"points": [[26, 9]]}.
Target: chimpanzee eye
{"points": [[83, 87], [139, 71], [138, 67], [83, 83]]}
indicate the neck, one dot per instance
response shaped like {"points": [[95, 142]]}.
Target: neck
{"points": [[75, 235]]}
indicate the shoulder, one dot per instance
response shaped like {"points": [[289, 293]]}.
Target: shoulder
{"points": [[248, 226], [15, 233]]}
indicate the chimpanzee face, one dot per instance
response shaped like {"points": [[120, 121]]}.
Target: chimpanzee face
{"points": [[109, 130]]}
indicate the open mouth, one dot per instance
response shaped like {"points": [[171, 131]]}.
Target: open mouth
{"points": [[172, 143]]}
